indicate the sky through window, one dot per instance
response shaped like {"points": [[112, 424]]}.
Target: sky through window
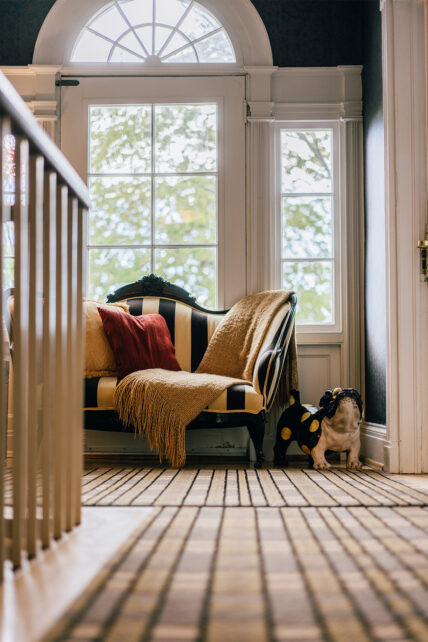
{"points": [[154, 32]]}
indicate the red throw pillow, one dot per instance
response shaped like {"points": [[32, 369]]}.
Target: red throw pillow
{"points": [[138, 342]]}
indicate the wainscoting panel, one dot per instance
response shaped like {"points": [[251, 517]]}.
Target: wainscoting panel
{"points": [[319, 369]]}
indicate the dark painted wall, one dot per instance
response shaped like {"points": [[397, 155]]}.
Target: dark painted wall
{"points": [[20, 22], [313, 33], [374, 169], [303, 33]]}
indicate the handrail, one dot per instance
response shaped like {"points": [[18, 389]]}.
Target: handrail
{"points": [[47, 204], [12, 105]]}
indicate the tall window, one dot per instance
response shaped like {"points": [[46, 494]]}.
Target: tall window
{"points": [[308, 208], [154, 31], [153, 180]]}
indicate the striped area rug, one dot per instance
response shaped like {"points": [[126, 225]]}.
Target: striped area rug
{"points": [[205, 573], [145, 486]]}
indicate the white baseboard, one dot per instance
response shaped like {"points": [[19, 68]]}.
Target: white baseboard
{"points": [[373, 442]]}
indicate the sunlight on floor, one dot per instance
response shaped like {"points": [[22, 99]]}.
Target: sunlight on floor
{"points": [[34, 597]]}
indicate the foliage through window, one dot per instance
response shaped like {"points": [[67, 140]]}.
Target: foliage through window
{"points": [[307, 222], [153, 181], [154, 31]]}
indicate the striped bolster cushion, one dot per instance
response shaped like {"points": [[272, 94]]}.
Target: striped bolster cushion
{"points": [[272, 355], [190, 329], [99, 393]]}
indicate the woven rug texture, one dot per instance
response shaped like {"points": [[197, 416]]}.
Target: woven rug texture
{"points": [[136, 486], [231, 555]]}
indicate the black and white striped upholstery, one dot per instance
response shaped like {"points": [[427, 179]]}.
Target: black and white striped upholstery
{"points": [[271, 358], [191, 331]]}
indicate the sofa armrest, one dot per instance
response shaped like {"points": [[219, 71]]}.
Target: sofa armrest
{"points": [[270, 361]]}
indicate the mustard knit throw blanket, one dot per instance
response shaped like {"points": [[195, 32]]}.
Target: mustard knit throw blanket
{"points": [[160, 403]]}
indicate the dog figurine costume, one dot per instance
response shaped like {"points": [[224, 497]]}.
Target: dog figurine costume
{"points": [[335, 426]]}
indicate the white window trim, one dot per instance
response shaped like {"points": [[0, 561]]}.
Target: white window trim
{"points": [[333, 330]]}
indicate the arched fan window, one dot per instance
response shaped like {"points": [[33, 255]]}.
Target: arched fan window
{"points": [[154, 31]]}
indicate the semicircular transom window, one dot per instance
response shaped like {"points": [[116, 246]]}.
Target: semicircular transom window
{"points": [[153, 32]]}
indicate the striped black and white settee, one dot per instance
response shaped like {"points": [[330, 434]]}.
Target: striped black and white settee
{"points": [[191, 328]]}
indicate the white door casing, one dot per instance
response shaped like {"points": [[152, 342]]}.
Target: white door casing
{"points": [[404, 33]]}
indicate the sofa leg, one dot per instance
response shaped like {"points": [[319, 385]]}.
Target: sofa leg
{"points": [[256, 430]]}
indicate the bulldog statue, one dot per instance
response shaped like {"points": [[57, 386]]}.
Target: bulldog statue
{"points": [[335, 426]]}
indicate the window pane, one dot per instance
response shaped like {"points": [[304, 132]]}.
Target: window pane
{"points": [[110, 23], [185, 138], [176, 42], [198, 22], [313, 283], [186, 209], [137, 12], [121, 210], [307, 227], [216, 48], [185, 55], [192, 268], [145, 34], [90, 47], [130, 41], [119, 139], [306, 160], [94, 43], [109, 269], [9, 238], [120, 55], [170, 11], [161, 35], [8, 273]]}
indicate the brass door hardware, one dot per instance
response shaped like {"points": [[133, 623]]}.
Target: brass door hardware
{"points": [[423, 247]]}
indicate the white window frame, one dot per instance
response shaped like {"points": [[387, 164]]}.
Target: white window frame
{"points": [[338, 194], [227, 93], [242, 22], [218, 246], [115, 41]]}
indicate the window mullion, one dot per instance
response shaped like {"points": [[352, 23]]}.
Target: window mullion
{"points": [[309, 259]]}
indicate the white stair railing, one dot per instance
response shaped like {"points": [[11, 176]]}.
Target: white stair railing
{"points": [[44, 204]]}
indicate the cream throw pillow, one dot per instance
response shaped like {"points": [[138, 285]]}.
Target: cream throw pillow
{"points": [[99, 357]]}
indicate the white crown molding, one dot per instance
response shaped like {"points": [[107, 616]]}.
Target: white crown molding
{"points": [[351, 110], [43, 109], [260, 110], [260, 119], [261, 70], [47, 106], [319, 71], [25, 70]]}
